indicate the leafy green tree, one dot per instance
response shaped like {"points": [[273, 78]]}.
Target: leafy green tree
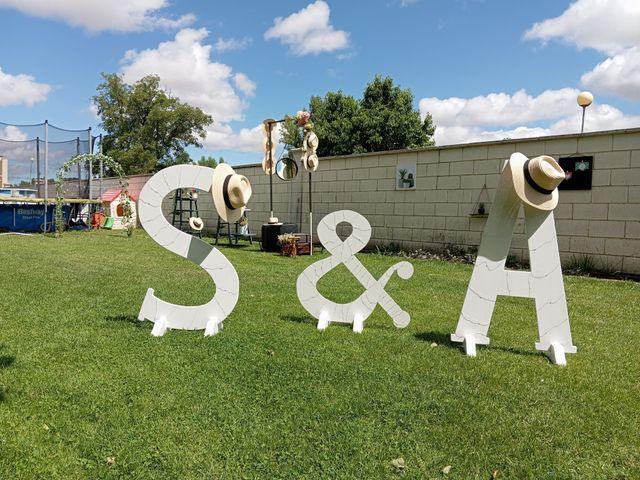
{"points": [[146, 127], [210, 161], [384, 119], [387, 119], [291, 133], [335, 121]]}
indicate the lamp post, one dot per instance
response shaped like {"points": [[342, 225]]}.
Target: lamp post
{"points": [[584, 100]]}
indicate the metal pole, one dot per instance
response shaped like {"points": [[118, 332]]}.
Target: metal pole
{"points": [[584, 109], [90, 150], [38, 166], [46, 171], [79, 168], [310, 218], [101, 173], [270, 147]]}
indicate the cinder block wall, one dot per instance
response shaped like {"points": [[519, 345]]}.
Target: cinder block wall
{"points": [[603, 223]]}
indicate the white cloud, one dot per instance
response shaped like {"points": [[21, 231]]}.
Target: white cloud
{"points": [[501, 108], [21, 89], [187, 71], [244, 84], [605, 25], [500, 115], [98, 15], [223, 45], [617, 75], [308, 31], [609, 26], [222, 137], [13, 134]]}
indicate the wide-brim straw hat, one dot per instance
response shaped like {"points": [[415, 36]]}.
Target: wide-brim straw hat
{"points": [[310, 159], [231, 193], [196, 223], [266, 162], [311, 162], [536, 180]]}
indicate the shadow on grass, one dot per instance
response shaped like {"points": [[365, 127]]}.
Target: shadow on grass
{"points": [[126, 319], [312, 321], [516, 351], [298, 319], [6, 361], [443, 339]]}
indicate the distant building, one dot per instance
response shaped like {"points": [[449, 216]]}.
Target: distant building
{"points": [[4, 171]]}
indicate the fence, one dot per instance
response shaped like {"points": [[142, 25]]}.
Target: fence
{"points": [[30, 158], [602, 222]]}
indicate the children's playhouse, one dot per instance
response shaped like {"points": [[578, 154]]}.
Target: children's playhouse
{"points": [[114, 200]]}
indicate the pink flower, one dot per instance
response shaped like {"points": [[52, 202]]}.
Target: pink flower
{"points": [[302, 118]]}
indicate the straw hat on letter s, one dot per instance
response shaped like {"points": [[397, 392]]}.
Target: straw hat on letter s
{"points": [[231, 193]]}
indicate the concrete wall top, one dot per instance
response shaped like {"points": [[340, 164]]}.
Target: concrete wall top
{"points": [[504, 143]]}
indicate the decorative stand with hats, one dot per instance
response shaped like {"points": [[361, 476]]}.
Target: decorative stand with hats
{"points": [[532, 183], [231, 193], [343, 252], [310, 162], [268, 162]]}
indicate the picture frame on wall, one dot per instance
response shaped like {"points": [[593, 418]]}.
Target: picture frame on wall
{"points": [[406, 174], [578, 171]]}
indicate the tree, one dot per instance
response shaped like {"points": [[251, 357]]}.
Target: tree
{"points": [[210, 161], [146, 128], [387, 118], [384, 119], [335, 121]]}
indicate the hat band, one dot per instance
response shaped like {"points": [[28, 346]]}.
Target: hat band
{"points": [[532, 182], [225, 192]]}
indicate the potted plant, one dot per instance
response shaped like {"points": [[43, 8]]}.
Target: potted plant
{"points": [[243, 225], [288, 243], [481, 210], [411, 181], [403, 177]]}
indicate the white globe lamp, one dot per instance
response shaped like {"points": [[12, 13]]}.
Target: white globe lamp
{"points": [[584, 100]]}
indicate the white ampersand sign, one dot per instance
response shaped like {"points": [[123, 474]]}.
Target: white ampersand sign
{"points": [[230, 193], [343, 252]]}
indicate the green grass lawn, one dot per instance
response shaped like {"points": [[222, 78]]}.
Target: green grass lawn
{"points": [[81, 380]]}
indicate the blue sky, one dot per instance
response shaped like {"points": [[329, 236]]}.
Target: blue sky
{"points": [[485, 69]]}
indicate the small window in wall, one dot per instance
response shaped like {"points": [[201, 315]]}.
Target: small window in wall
{"points": [[120, 210], [578, 172]]}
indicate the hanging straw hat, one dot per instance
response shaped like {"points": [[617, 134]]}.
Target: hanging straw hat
{"points": [[536, 180], [231, 193], [196, 223], [270, 128], [310, 145]]}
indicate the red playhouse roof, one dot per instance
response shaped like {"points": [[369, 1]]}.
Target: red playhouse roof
{"points": [[111, 194]]}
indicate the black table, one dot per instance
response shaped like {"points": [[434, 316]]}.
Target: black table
{"points": [[270, 234]]}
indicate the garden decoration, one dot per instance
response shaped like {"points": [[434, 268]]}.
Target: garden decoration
{"points": [[231, 192], [532, 183], [196, 223], [309, 160], [127, 220], [268, 162], [361, 308]]}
